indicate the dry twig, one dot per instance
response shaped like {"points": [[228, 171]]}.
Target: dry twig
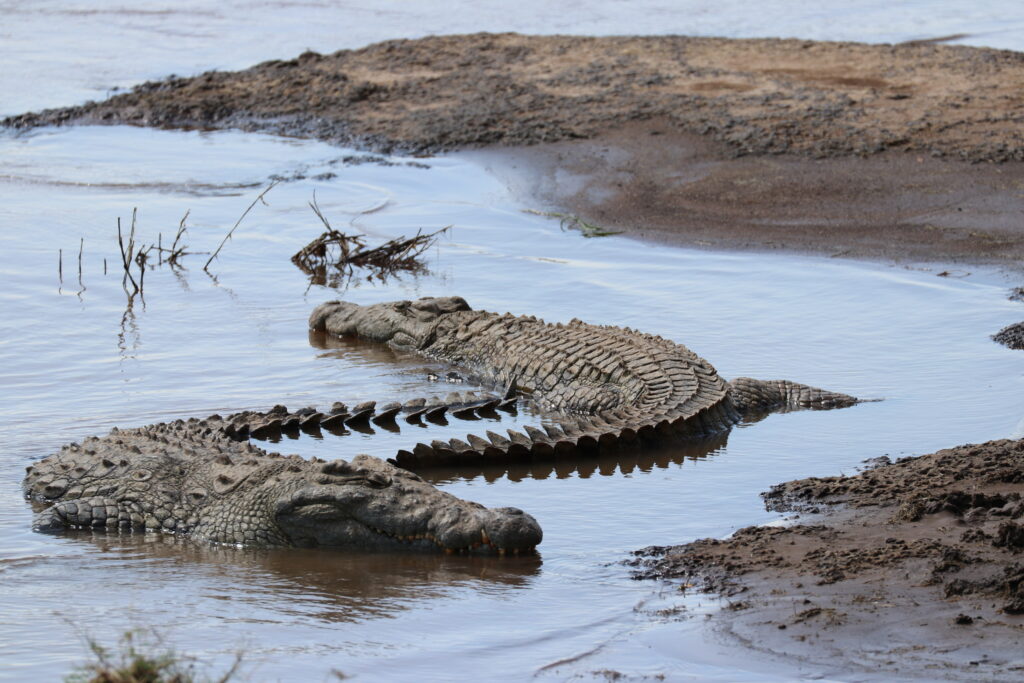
{"points": [[238, 222], [331, 259]]}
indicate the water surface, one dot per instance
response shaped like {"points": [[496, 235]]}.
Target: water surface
{"points": [[76, 359]]}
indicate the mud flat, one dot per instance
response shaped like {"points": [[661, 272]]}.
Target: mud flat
{"points": [[908, 151], [912, 568]]}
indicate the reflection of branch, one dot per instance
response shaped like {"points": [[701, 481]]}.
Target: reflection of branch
{"points": [[238, 222], [128, 325], [81, 285], [216, 283]]}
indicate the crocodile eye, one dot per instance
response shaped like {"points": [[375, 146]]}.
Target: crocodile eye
{"points": [[196, 495], [142, 475], [378, 480]]}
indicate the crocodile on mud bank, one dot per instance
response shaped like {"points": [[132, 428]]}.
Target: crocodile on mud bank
{"points": [[602, 385]]}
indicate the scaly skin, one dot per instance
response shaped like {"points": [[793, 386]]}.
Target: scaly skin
{"points": [[603, 384], [189, 478]]}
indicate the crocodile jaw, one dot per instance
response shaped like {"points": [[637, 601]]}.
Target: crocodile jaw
{"points": [[346, 517]]}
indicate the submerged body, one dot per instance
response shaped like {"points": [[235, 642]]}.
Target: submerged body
{"points": [[602, 384], [187, 478]]}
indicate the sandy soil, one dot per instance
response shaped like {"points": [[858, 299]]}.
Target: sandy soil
{"points": [[900, 152], [911, 568], [653, 182], [758, 96]]}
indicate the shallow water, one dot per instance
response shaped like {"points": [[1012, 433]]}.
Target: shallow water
{"points": [[77, 359]]}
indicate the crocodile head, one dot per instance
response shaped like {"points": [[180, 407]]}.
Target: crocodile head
{"points": [[187, 479], [369, 503], [404, 324]]}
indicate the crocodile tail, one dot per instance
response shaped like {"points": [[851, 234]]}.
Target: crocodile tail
{"points": [[570, 436], [752, 396]]}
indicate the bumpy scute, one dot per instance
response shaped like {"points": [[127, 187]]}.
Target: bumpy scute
{"points": [[187, 478], [602, 384]]}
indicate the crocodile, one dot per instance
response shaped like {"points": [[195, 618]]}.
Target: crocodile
{"points": [[599, 386], [187, 478]]}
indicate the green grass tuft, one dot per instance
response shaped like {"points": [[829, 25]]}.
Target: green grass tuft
{"points": [[568, 221], [141, 657]]}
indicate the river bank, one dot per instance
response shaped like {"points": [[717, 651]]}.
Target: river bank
{"points": [[894, 152], [911, 567]]}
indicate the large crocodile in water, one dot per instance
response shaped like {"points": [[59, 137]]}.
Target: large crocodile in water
{"points": [[184, 477], [602, 385]]}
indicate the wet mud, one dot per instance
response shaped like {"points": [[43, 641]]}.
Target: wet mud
{"points": [[758, 96], [898, 152], [909, 566], [1011, 336]]}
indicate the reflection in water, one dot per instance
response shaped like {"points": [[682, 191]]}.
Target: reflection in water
{"points": [[322, 584], [362, 351], [209, 349], [615, 462], [129, 329]]}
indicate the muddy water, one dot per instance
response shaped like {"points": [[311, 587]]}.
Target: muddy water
{"points": [[77, 356]]}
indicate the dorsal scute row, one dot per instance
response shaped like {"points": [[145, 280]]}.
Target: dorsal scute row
{"points": [[581, 368]]}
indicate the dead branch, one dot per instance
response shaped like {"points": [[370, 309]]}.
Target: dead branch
{"points": [[127, 254], [238, 222], [331, 259]]}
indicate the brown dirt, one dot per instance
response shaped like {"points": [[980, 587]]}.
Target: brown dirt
{"points": [[758, 96], [649, 180], [1011, 336], [907, 151], [913, 567]]}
